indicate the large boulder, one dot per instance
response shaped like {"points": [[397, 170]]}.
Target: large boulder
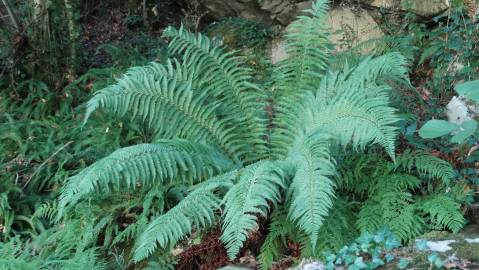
{"points": [[351, 27], [428, 8], [348, 27], [282, 12]]}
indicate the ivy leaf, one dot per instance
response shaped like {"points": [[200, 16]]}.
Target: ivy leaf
{"points": [[389, 257], [403, 263], [359, 263], [467, 129], [436, 128], [469, 89]]}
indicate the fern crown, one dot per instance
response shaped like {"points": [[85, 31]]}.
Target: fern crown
{"points": [[213, 134]]}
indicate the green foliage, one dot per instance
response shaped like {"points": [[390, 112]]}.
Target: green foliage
{"points": [[207, 97], [369, 251], [389, 192], [258, 189], [57, 248], [240, 33], [212, 145]]}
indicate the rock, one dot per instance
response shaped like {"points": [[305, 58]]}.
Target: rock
{"points": [[438, 246], [310, 266], [428, 8], [278, 51], [234, 267], [456, 250], [280, 12], [353, 27], [459, 110]]}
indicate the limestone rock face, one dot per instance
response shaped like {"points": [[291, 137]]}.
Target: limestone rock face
{"points": [[269, 11], [350, 27], [282, 12], [428, 8]]}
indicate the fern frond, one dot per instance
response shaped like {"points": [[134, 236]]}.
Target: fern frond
{"points": [[258, 189], [337, 231], [308, 50], [380, 70], [224, 78], [392, 208], [145, 164], [443, 212], [164, 97], [426, 165], [370, 217], [360, 117], [312, 188], [195, 210], [48, 210], [276, 239]]}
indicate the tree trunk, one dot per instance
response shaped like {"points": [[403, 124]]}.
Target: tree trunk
{"points": [[74, 37], [12, 15]]}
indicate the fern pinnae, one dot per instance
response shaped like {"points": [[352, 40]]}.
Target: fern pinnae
{"points": [[443, 212], [223, 76], [145, 164], [259, 186], [312, 187], [426, 165], [196, 210]]}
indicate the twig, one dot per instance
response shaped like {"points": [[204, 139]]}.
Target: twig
{"points": [[45, 162]]}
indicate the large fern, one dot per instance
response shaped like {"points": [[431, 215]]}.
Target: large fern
{"points": [[212, 140]]}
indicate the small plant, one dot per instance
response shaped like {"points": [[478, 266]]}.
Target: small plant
{"points": [[369, 251]]}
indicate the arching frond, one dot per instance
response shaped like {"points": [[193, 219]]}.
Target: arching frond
{"points": [[426, 165], [443, 212], [224, 77], [308, 49], [164, 97], [359, 117], [145, 164], [257, 190], [276, 240], [312, 188], [195, 210], [352, 105], [379, 70]]}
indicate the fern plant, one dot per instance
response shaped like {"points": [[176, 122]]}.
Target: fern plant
{"points": [[239, 149], [389, 194]]}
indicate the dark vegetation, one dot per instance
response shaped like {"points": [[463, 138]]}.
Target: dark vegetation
{"points": [[188, 200]]}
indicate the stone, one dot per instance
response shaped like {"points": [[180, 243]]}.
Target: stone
{"points": [[438, 246], [278, 51], [351, 28], [424, 8], [282, 12], [459, 109]]}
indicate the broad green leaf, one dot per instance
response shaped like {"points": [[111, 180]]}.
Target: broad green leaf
{"points": [[467, 129], [469, 89], [436, 128]]}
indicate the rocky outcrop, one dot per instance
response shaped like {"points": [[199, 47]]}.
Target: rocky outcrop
{"points": [[351, 27], [423, 8], [282, 12], [269, 11]]}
